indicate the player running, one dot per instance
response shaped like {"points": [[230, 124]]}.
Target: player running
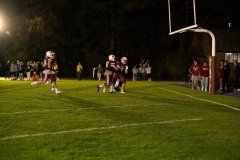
{"points": [[110, 68], [120, 74], [49, 73]]}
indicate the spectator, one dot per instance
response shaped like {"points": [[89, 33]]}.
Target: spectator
{"points": [[28, 70], [135, 72], [38, 69], [220, 74], [41, 66], [226, 72], [99, 72], [34, 68], [13, 71], [21, 71], [7, 70], [205, 76], [147, 62], [195, 71], [79, 71], [144, 72], [236, 76], [149, 72], [17, 68]]}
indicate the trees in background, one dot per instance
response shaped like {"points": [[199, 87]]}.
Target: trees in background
{"points": [[87, 30]]}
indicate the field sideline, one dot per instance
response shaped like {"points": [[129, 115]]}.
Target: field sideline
{"points": [[153, 120]]}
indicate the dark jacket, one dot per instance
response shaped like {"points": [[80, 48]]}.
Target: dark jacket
{"points": [[226, 70], [236, 72]]}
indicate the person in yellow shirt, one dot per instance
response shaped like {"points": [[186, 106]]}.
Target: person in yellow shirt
{"points": [[55, 69], [79, 71]]}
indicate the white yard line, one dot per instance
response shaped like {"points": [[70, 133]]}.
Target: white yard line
{"points": [[63, 110], [201, 99], [26, 112], [96, 128]]}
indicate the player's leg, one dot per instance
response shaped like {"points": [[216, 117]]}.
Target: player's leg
{"points": [[103, 85], [53, 79]]}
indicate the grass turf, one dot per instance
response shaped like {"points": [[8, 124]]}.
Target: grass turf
{"points": [[153, 120]]}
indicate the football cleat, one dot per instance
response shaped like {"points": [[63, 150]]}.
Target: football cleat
{"points": [[57, 92], [98, 88]]}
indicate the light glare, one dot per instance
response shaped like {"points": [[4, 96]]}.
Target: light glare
{"points": [[1, 23]]}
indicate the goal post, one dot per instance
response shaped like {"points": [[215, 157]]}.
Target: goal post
{"points": [[193, 27], [212, 61], [181, 29]]}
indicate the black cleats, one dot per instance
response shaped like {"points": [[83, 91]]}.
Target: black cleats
{"points": [[98, 88]]}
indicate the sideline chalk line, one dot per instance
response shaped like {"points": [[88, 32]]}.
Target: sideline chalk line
{"points": [[96, 128], [201, 99]]}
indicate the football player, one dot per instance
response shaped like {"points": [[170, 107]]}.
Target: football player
{"points": [[35, 80], [120, 74], [49, 74], [110, 68]]}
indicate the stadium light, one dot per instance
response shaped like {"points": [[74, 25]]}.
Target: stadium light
{"points": [[1, 24], [3, 28]]}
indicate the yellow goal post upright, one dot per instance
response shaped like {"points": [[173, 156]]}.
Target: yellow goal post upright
{"points": [[192, 26]]}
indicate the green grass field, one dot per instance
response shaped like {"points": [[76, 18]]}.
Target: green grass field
{"points": [[152, 121]]}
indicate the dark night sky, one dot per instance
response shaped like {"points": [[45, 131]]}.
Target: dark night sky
{"points": [[210, 13]]}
